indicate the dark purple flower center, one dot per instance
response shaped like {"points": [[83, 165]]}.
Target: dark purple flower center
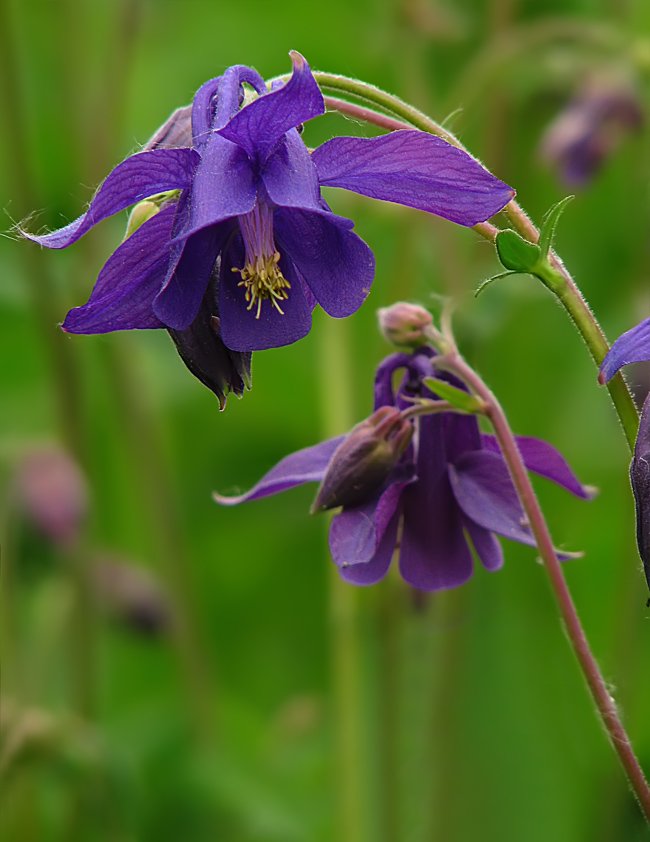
{"points": [[261, 277]]}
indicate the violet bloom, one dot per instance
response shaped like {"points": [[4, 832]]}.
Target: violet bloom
{"points": [[449, 491], [634, 347], [248, 207]]}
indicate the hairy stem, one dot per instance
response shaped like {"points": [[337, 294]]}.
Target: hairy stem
{"points": [[605, 704]]}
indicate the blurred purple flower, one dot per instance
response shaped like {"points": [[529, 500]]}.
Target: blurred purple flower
{"points": [[451, 487], [588, 130], [249, 223]]}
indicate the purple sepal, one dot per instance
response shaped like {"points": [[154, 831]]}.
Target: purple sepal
{"points": [[486, 545], [128, 282], [630, 347], [542, 458], [416, 169], [140, 176], [307, 465]]}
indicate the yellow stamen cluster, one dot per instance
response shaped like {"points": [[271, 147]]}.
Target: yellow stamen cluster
{"points": [[263, 281]]}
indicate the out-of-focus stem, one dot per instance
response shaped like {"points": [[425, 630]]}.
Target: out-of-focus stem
{"points": [[605, 704], [338, 416]]}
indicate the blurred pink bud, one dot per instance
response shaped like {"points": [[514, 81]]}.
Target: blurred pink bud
{"points": [[52, 493], [132, 595], [404, 324]]}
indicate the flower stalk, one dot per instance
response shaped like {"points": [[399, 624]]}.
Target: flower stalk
{"points": [[605, 704]]}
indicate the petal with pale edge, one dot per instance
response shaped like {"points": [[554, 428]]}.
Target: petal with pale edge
{"points": [[631, 347], [337, 265], [356, 533], [434, 554], [416, 169], [137, 178], [259, 126], [307, 465], [128, 282], [241, 330], [542, 458], [640, 477], [372, 571]]}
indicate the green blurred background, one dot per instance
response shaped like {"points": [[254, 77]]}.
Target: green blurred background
{"points": [[238, 692]]}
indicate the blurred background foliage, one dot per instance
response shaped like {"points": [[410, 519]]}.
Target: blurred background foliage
{"points": [[175, 671]]}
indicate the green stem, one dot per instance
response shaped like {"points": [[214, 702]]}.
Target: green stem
{"points": [[605, 705], [566, 291], [338, 416]]}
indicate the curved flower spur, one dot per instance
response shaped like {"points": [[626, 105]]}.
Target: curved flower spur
{"points": [[236, 222], [433, 499]]}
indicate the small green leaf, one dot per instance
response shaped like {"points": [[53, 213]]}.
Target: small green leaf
{"points": [[549, 224], [515, 253], [456, 397]]}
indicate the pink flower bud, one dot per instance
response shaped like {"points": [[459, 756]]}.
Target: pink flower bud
{"points": [[53, 494], [404, 324]]}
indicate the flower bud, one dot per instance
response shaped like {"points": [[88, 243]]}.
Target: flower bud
{"points": [[132, 596], [364, 459], [404, 324], [52, 493]]}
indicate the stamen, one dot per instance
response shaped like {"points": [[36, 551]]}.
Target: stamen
{"points": [[261, 277]]}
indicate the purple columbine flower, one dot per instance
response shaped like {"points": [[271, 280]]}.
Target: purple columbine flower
{"points": [[246, 214], [450, 490], [634, 347]]}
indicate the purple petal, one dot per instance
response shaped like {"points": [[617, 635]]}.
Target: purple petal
{"points": [[218, 100], [370, 572], [542, 458], [129, 280], [483, 489], [417, 366], [356, 533], [137, 178], [258, 126], [241, 330], [224, 186], [188, 275], [631, 347], [416, 169], [433, 553], [307, 465], [336, 264], [175, 132], [290, 177], [486, 545]]}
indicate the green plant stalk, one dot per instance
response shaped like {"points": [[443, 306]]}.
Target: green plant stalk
{"points": [[605, 704], [564, 286], [338, 416]]}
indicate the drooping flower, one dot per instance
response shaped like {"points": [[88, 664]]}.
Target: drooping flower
{"points": [[241, 214], [634, 347], [450, 490]]}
